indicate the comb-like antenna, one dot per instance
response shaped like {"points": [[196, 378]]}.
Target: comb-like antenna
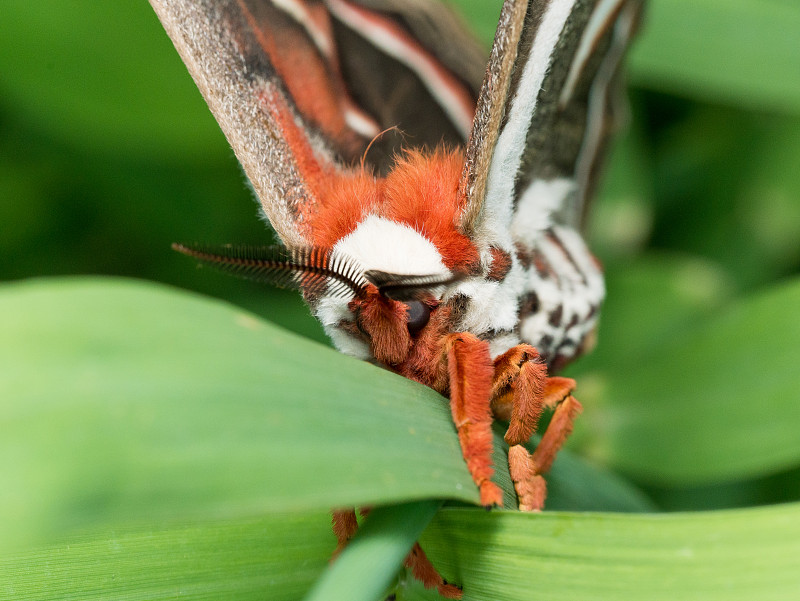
{"points": [[313, 270], [409, 287]]}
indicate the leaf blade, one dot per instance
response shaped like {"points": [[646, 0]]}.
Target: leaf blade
{"points": [[725, 555], [365, 568]]}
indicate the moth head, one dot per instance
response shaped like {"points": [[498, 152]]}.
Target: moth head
{"points": [[354, 288], [401, 307]]}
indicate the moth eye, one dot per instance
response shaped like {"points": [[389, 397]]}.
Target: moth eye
{"points": [[418, 315]]}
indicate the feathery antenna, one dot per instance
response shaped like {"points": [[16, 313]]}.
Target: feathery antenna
{"points": [[314, 270]]}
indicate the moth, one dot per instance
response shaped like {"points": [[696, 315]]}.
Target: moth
{"points": [[429, 203]]}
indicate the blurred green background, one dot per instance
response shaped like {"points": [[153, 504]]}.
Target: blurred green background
{"points": [[108, 154]]}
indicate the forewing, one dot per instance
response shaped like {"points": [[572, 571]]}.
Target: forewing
{"points": [[243, 89], [411, 64], [545, 112], [301, 87]]}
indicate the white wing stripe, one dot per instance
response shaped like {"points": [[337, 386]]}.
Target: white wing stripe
{"points": [[602, 17], [511, 142], [536, 206], [432, 76], [300, 14], [598, 96]]}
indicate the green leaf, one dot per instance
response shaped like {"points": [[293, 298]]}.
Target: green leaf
{"points": [[365, 568], [127, 402], [715, 403], [745, 52], [724, 555], [650, 299], [708, 193], [621, 218], [277, 556]]}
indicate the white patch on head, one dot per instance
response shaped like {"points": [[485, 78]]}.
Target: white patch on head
{"points": [[384, 245], [381, 244], [331, 311], [537, 205], [513, 138]]}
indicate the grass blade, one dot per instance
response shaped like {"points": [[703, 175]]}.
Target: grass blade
{"points": [[366, 567]]}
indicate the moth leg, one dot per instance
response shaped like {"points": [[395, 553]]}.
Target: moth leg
{"points": [[520, 392], [470, 374], [558, 394], [345, 526], [422, 569], [530, 486], [526, 470]]}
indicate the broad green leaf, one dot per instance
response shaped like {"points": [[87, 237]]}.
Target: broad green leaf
{"points": [[366, 567], [705, 556], [723, 555], [745, 52], [621, 217], [130, 402], [770, 200], [707, 193], [276, 557], [717, 403], [126, 401], [783, 487], [650, 299]]}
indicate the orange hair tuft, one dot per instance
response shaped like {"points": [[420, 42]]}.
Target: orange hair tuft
{"points": [[422, 192]]}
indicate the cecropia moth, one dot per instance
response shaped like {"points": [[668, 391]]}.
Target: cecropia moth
{"points": [[431, 221]]}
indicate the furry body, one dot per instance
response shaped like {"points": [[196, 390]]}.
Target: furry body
{"points": [[543, 287]]}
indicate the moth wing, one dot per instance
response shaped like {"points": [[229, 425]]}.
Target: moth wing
{"points": [[544, 114], [411, 64], [289, 83], [242, 87]]}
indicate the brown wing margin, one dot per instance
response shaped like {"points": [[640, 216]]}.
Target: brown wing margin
{"points": [[490, 112], [272, 73], [246, 96]]}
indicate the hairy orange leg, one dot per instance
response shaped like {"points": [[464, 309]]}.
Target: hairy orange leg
{"points": [[345, 525], [526, 470], [520, 392], [423, 570], [558, 394], [470, 373]]}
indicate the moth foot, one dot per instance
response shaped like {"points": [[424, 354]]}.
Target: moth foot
{"points": [[491, 494]]}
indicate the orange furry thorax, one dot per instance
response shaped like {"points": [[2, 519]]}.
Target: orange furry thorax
{"points": [[421, 192]]}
